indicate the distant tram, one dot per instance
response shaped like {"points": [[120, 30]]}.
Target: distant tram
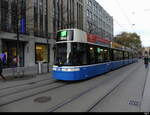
{"points": [[79, 55]]}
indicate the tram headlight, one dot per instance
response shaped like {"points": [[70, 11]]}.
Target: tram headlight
{"points": [[70, 69], [54, 69], [66, 69]]}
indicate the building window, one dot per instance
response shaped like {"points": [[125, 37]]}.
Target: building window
{"points": [[4, 16], [10, 49], [36, 29], [90, 3], [41, 53]]}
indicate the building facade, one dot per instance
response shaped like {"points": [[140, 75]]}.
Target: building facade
{"points": [[68, 14], [28, 23], [28, 29], [97, 20]]}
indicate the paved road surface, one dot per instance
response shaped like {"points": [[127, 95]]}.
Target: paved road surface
{"points": [[123, 90]]}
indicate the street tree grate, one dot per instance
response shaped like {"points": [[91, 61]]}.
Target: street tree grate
{"points": [[43, 99]]}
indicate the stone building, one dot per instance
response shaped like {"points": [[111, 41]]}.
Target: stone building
{"points": [[97, 20], [68, 14], [28, 29], [35, 27]]}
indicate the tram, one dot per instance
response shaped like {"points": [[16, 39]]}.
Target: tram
{"points": [[79, 56]]}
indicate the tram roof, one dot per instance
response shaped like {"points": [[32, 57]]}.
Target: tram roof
{"points": [[75, 29]]}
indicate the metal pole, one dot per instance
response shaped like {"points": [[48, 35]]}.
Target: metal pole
{"points": [[18, 35], [47, 34]]}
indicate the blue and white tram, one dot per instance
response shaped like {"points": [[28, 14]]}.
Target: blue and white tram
{"points": [[77, 59]]}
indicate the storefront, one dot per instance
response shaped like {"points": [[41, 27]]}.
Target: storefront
{"points": [[10, 49]]}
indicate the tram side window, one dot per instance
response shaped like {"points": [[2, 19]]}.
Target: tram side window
{"points": [[126, 55], [91, 54], [111, 55], [130, 55], [99, 55], [83, 53], [79, 54], [106, 55], [115, 58], [118, 55]]}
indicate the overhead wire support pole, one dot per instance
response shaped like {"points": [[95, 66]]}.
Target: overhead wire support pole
{"points": [[47, 35], [18, 34]]}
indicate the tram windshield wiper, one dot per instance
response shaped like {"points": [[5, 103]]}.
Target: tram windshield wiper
{"points": [[59, 65]]}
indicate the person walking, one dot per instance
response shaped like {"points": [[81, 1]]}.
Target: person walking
{"points": [[146, 61], [1, 69], [3, 57]]}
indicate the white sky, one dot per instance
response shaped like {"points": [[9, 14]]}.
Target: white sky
{"points": [[130, 16]]}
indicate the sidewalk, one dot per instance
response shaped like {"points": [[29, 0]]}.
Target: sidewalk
{"points": [[24, 79], [12, 73], [145, 105]]}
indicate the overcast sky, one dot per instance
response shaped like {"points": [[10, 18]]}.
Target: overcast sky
{"points": [[130, 16]]}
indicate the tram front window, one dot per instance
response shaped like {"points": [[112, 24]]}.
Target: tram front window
{"points": [[70, 54], [60, 54]]}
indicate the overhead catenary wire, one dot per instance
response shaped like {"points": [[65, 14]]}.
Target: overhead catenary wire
{"points": [[117, 22], [125, 15]]}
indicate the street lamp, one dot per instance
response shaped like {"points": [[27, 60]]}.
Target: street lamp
{"points": [[47, 34], [18, 35]]}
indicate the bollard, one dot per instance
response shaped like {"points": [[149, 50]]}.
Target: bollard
{"points": [[40, 67]]}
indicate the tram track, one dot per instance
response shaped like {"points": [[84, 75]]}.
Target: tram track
{"points": [[28, 87], [136, 103], [107, 94], [14, 97], [23, 84], [68, 101], [92, 107]]}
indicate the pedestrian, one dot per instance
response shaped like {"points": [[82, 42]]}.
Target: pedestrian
{"points": [[146, 61], [1, 69], [3, 58], [15, 61]]}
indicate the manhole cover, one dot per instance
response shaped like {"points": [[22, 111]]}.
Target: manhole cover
{"points": [[43, 99], [133, 102]]}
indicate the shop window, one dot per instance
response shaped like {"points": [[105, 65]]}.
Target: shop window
{"points": [[41, 53], [10, 49]]}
